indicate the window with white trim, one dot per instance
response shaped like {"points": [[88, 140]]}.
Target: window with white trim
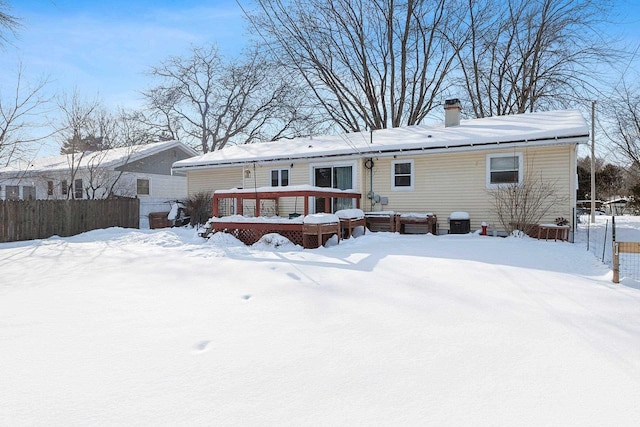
{"points": [[402, 175], [279, 177], [504, 169]]}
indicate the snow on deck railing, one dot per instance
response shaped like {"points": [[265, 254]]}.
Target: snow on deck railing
{"points": [[321, 218]]}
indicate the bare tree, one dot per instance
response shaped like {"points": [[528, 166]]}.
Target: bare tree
{"points": [[76, 116], [102, 181], [369, 64], [622, 124], [214, 102], [22, 109], [517, 56], [521, 206], [8, 23]]}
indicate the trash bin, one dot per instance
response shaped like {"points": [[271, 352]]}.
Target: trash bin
{"points": [[459, 223]]}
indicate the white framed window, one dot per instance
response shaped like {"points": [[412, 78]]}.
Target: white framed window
{"points": [[402, 175], [504, 169], [142, 187], [279, 177]]}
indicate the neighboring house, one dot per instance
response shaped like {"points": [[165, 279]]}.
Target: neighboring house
{"points": [[142, 171], [616, 206], [437, 169]]}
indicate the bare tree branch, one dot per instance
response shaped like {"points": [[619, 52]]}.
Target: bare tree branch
{"points": [[369, 64]]}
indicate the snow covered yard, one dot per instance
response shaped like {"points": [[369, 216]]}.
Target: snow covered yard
{"points": [[158, 327]]}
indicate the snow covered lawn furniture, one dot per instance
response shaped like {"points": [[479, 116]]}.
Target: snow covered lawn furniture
{"points": [[557, 232], [349, 220], [381, 221], [416, 223], [318, 228]]}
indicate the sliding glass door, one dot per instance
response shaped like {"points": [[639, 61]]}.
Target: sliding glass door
{"points": [[333, 177]]}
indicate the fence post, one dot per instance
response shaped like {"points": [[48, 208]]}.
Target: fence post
{"points": [[604, 244], [616, 263], [615, 252]]}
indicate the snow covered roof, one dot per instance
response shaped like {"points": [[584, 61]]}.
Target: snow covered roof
{"points": [[552, 127], [107, 158]]}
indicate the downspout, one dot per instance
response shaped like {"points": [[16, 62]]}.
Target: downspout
{"points": [[371, 185]]}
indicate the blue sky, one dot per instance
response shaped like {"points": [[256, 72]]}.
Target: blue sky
{"points": [[104, 48]]}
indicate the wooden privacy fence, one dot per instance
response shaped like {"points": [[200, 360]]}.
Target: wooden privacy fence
{"points": [[39, 219]]}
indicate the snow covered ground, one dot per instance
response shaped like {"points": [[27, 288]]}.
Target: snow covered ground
{"points": [[159, 327]]}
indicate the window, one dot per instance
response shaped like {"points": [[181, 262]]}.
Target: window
{"points": [[28, 192], [504, 169], [12, 192], [77, 184], [142, 187], [64, 187], [279, 177], [341, 177], [402, 175], [49, 188]]}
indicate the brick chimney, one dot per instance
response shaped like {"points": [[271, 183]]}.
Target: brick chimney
{"points": [[452, 109]]}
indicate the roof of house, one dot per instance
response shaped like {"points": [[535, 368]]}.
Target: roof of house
{"points": [[543, 128], [111, 158]]}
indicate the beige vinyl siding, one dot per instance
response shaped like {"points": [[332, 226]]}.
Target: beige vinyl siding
{"points": [[443, 182], [449, 182], [250, 177], [214, 179]]}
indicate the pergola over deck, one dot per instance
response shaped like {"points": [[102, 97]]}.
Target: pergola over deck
{"points": [[275, 193]]}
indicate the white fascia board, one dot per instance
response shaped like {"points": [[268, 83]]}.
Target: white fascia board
{"points": [[484, 146]]}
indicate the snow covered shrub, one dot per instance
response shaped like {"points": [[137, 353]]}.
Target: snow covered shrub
{"points": [[199, 207]]}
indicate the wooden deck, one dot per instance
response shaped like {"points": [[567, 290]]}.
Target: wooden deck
{"points": [[276, 193], [305, 235]]}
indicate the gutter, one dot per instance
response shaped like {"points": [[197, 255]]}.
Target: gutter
{"points": [[480, 146]]}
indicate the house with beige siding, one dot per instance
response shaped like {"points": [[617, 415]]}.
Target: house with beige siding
{"points": [[438, 169]]}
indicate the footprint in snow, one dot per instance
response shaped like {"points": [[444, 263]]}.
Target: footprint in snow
{"points": [[202, 346], [246, 297]]}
